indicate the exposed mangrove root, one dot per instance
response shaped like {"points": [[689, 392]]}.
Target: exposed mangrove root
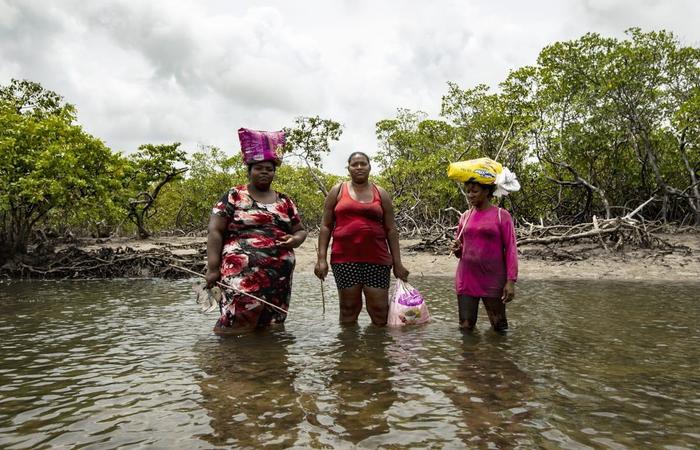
{"points": [[123, 262]]}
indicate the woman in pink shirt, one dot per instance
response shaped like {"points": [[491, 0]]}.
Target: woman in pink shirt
{"points": [[488, 259]]}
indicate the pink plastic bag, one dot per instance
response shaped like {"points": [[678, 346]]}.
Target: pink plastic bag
{"points": [[260, 145], [407, 307]]}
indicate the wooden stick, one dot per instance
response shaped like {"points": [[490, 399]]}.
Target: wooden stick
{"points": [[224, 285], [505, 138], [639, 208], [323, 295]]}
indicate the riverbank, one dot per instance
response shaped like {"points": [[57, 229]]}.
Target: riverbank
{"points": [[681, 264]]}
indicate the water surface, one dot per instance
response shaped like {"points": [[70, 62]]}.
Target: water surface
{"points": [[107, 364]]}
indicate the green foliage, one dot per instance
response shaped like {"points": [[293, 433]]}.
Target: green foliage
{"points": [[29, 98], [186, 203], [150, 169], [605, 111], [46, 163], [308, 140], [414, 155], [294, 181], [596, 127]]}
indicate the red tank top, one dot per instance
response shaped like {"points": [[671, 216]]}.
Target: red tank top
{"points": [[359, 234]]}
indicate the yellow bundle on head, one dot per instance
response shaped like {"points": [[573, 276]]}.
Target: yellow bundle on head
{"points": [[481, 170]]}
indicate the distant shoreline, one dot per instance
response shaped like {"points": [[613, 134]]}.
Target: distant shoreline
{"points": [[534, 264]]}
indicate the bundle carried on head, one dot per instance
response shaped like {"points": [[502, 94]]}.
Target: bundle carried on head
{"points": [[484, 171], [259, 146]]}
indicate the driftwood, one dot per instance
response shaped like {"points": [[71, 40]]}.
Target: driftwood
{"points": [[621, 230], [609, 235]]}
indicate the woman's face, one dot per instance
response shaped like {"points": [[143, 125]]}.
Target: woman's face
{"points": [[359, 168], [261, 174], [476, 194]]}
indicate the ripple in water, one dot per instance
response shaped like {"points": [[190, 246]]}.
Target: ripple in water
{"points": [[133, 363]]}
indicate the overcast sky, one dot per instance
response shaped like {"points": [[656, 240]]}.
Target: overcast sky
{"points": [[195, 71]]}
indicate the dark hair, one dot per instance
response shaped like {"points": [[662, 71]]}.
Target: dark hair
{"points": [[250, 165], [361, 154], [489, 187]]}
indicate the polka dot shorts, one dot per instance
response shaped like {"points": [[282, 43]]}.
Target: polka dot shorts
{"points": [[370, 275]]}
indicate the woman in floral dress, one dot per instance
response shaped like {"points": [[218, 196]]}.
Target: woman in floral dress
{"points": [[252, 233]]}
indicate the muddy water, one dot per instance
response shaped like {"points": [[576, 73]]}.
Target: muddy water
{"points": [[134, 364]]}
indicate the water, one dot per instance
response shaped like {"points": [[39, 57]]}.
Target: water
{"points": [[110, 364]]}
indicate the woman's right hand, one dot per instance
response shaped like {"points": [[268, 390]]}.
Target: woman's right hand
{"points": [[321, 269], [457, 248], [212, 277]]}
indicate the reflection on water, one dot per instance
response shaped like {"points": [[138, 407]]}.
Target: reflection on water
{"points": [[360, 384], [492, 394], [248, 390], [113, 364]]}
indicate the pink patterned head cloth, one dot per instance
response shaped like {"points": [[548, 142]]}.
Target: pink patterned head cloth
{"points": [[259, 146]]}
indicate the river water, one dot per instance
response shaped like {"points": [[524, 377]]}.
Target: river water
{"points": [[107, 364]]}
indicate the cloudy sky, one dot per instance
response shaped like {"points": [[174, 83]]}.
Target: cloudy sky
{"points": [[195, 71]]}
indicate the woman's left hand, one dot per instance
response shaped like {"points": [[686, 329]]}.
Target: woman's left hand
{"points": [[288, 241], [401, 272], [508, 291]]}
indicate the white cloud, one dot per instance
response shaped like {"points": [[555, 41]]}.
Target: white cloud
{"points": [[163, 71]]}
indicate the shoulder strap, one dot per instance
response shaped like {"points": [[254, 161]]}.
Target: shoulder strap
{"points": [[338, 194], [464, 227], [499, 215], [375, 191], [378, 193]]}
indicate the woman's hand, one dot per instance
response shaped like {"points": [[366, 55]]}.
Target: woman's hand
{"points": [[288, 241], [456, 248], [212, 277], [401, 272], [508, 291], [321, 269]]}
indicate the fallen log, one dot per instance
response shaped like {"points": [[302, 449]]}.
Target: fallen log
{"points": [[569, 237]]}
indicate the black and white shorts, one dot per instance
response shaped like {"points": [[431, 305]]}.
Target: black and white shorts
{"points": [[370, 275]]}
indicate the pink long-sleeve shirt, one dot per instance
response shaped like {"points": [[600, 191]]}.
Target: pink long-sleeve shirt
{"points": [[489, 253]]}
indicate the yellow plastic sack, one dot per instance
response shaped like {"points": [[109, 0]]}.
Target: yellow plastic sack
{"points": [[481, 170]]}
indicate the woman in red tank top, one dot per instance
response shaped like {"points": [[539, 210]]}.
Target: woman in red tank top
{"points": [[360, 217]]}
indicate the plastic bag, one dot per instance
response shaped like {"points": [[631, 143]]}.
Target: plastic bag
{"points": [[407, 306], [506, 182], [481, 170], [260, 145]]}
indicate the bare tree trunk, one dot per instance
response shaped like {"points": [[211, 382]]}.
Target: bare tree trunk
{"points": [[579, 181], [694, 187], [139, 216], [651, 157], [315, 177]]}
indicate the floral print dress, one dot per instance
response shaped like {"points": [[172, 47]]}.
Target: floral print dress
{"points": [[251, 261]]}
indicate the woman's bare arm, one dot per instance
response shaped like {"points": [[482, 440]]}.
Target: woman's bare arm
{"points": [[392, 235], [324, 234]]}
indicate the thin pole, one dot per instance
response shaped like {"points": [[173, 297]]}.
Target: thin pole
{"points": [[224, 285], [323, 295], [323, 298], [504, 139]]}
